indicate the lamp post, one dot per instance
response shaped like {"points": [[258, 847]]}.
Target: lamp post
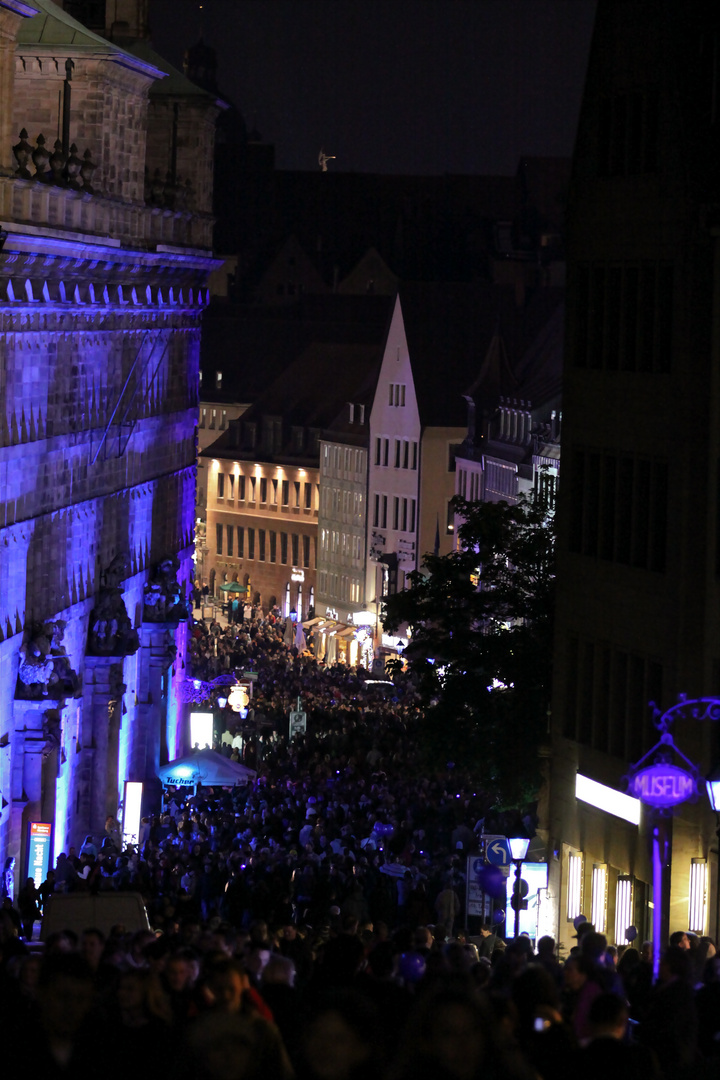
{"points": [[518, 850]]}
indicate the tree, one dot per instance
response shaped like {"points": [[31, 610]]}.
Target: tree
{"points": [[480, 648]]}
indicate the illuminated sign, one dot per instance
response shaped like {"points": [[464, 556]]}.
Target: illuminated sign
{"points": [[39, 851], [297, 575], [132, 804], [608, 799], [201, 729], [663, 785]]}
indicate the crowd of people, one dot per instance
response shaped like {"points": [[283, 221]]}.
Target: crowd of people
{"points": [[313, 922]]}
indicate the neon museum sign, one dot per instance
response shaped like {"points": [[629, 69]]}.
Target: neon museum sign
{"points": [[662, 785]]}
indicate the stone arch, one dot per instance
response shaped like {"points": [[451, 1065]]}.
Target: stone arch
{"points": [[212, 582]]}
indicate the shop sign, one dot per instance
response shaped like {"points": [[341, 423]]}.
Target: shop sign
{"points": [[662, 785]]}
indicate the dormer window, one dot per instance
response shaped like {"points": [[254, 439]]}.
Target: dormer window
{"points": [[297, 439], [218, 380], [351, 413], [361, 414]]}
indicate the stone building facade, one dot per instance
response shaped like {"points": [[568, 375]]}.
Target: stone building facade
{"points": [[102, 284]]}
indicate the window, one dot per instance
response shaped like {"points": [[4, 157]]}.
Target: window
{"points": [[230, 536], [221, 485], [218, 380], [378, 448], [261, 545], [241, 488], [241, 542], [384, 511], [284, 548], [231, 482], [386, 451], [285, 492], [412, 515], [297, 493], [406, 454], [251, 543], [308, 496], [376, 512], [351, 413], [263, 490], [403, 524], [361, 414], [223, 420], [274, 494], [203, 417], [295, 549], [219, 539], [306, 551], [273, 546], [253, 482], [397, 453], [396, 514], [574, 893]]}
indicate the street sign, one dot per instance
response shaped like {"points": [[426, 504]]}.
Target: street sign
{"points": [[497, 851]]}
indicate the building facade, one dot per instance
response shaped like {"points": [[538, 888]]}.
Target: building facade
{"points": [[102, 284], [638, 588]]}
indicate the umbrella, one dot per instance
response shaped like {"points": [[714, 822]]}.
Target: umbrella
{"points": [[233, 586], [206, 767]]}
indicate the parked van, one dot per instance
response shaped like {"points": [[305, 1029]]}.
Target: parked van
{"points": [[79, 911]]}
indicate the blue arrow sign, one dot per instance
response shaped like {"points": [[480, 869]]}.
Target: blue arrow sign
{"points": [[497, 852]]}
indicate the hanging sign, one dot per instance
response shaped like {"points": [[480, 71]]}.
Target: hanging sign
{"points": [[662, 785]]}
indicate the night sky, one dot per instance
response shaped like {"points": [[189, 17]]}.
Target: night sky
{"points": [[395, 86]]}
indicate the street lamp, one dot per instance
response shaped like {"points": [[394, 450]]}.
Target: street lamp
{"points": [[518, 850], [712, 784]]}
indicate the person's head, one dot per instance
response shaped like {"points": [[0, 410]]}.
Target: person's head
{"points": [[676, 964], [65, 994], [679, 940], [453, 1028], [487, 929], [340, 1036], [546, 948], [92, 943], [178, 973], [608, 1017], [226, 983]]}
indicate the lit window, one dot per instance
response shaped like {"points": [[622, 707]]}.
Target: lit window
{"points": [[599, 898], [623, 908], [698, 896], [218, 380], [574, 886]]}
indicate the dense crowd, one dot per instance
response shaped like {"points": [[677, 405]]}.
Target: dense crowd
{"points": [[312, 923]]}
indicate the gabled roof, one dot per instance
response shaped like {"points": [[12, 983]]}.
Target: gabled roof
{"points": [[310, 393], [52, 26], [450, 329]]}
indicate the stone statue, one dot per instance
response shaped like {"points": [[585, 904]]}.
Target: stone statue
{"points": [[163, 594], [45, 669], [111, 633]]}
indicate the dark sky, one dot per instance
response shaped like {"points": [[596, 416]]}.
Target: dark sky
{"points": [[395, 86]]}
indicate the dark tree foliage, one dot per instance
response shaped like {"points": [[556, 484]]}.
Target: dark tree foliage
{"points": [[481, 620]]}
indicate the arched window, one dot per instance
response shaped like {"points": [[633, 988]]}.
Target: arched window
{"points": [[299, 604], [286, 605]]}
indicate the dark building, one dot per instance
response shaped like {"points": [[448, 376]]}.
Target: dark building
{"points": [[638, 616]]}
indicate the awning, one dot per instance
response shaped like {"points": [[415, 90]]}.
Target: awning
{"points": [[349, 631], [234, 586], [205, 767]]}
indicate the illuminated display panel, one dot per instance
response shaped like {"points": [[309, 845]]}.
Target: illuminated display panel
{"points": [[608, 799]]}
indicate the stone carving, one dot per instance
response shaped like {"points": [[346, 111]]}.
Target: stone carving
{"points": [[111, 632], [66, 170], [163, 594], [45, 669]]}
